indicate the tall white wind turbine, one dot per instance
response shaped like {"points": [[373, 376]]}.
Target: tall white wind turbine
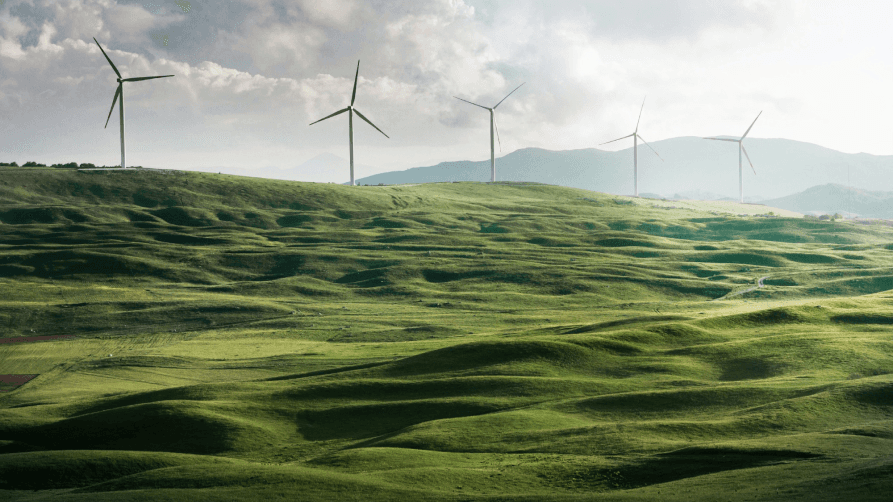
{"points": [[636, 137], [493, 127], [741, 149], [120, 93], [351, 110]]}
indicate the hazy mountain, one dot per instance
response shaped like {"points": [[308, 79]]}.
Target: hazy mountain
{"points": [[693, 165], [834, 198]]}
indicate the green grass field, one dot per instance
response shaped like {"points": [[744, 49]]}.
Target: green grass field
{"points": [[248, 339]]}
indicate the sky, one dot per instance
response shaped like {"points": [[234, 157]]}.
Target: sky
{"points": [[252, 75]]}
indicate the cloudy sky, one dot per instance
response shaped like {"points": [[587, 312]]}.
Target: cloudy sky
{"points": [[251, 75]]}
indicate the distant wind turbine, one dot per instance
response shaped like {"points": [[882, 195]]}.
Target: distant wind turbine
{"points": [[493, 127], [120, 92], [636, 137], [351, 110], [741, 149]]}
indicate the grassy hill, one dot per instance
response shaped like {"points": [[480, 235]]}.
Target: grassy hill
{"points": [[223, 338]]}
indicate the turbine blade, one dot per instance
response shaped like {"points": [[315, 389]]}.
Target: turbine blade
{"points": [[469, 102], [332, 115], [353, 97], [649, 146], [137, 79], [496, 125], [751, 125], [640, 115], [723, 139], [107, 58], [507, 95], [114, 100], [370, 123], [618, 139], [748, 158]]}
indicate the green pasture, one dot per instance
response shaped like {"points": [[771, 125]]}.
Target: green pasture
{"points": [[244, 339]]}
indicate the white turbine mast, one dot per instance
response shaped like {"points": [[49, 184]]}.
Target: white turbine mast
{"points": [[120, 93], [636, 137], [493, 127], [351, 110], [741, 149]]}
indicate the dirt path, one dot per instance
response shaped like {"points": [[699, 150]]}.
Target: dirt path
{"points": [[748, 290]]}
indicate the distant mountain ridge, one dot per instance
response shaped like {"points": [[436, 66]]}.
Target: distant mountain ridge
{"points": [[692, 165], [834, 198]]}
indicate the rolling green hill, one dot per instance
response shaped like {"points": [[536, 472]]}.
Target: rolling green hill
{"points": [[225, 338]]}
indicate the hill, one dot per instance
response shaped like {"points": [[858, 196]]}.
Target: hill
{"points": [[192, 336], [691, 165], [833, 198]]}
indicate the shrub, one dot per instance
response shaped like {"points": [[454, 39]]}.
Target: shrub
{"points": [[70, 165], [33, 164], [9, 164]]}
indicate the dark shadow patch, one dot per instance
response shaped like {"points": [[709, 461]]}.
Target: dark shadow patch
{"points": [[388, 223], [750, 368], [619, 242], [293, 220], [441, 276], [810, 258], [188, 240], [366, 278], [367, 421], [182, 216], [862, 319], [740, 258], [552, 243], [27, 216], [13, 270], [143, 199], [622, 323], [492, 228]]}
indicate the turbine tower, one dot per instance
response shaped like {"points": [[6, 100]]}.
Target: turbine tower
{"points": [[351, 110], [636, 137], [493, 127], [741, 149], [120, 92]]}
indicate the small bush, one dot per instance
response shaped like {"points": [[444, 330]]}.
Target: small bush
{"points": [[33, 164], [9, 164]]}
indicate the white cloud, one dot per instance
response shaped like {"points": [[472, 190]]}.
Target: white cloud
{"points": [[250, 76]]}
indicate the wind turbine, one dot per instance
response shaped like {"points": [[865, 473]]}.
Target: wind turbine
{"points": [[741, 149], [351, 111], [636, 137], [492, 127], [120, 92]]}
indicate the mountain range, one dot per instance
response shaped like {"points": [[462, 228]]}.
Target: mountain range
{"points": [[691, 166]]}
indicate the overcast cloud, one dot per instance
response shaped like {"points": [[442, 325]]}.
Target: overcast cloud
{"points": [[251, 76]]}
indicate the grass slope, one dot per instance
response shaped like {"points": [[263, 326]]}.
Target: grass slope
{"points": [[239, 338]]}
